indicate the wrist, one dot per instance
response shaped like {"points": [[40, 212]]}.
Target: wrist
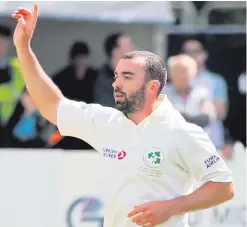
{"points": [[177, 205], [22, 48]]}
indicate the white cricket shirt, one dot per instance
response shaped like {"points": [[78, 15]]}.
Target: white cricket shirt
{"points": [[158, 159]]}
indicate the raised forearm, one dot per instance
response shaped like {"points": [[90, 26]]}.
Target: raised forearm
{"points": [[43, 91], [209, 195]]}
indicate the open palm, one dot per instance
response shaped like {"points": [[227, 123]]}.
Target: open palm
{"points": [[25, 26]]}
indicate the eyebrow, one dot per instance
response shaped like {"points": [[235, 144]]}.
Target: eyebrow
{"points": [[125, 73]]}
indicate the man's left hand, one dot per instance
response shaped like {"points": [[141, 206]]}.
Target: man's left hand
{"points": [[152, 214]]}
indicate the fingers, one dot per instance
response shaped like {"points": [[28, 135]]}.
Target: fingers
{"points": [[24, 11], [143, 222], [149, 225], [35, 15], [21, 21], [27, 14], [141, 219], [18, 14], [36, 9], [137, 210]]}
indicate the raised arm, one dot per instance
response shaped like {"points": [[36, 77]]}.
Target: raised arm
{"points": [[43, 91]]}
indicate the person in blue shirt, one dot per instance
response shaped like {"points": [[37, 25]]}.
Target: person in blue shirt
{"points": [[215, 83]]}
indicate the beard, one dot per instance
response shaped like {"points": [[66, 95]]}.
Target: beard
{"points": [[133, 103]]}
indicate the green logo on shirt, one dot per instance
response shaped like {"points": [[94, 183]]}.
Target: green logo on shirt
{"points": [[153, 157]]}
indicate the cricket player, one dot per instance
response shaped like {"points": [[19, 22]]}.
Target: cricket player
{"points": [[155, 155]]}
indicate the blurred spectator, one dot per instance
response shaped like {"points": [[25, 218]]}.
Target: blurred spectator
{"points": [[194, 103], [115, 46], [21, 130], [213, 81], [76, 81], [11, 82], [216, 85]]}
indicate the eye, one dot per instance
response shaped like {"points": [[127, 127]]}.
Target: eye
{"points": [[127, 77]]}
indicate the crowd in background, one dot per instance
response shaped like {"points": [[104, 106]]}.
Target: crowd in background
{"points": [[199, 94]]}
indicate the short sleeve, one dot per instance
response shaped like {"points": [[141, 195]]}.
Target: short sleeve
{"points": [[199, 156], [221, 89], [81, 120]]}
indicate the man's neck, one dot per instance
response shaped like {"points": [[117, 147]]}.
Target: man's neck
{"points": [[80, 72], [201, 69], [144, 112]]}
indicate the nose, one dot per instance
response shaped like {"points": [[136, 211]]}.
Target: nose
{"points": [[117, 83]]}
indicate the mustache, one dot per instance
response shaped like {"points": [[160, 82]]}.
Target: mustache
{"points": [[117, 89]]}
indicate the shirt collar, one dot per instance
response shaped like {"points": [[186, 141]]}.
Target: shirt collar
{"points": [[158, 115], [163, 107]]}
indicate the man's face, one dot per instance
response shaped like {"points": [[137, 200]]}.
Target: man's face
{"points": [[195, 50], [180, 77], [4, 48], [125, 45], [81, 61], [130, 85]]}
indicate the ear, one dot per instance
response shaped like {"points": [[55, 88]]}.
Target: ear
{"points": [[154, 86]]}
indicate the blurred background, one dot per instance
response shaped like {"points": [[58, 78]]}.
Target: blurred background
{"points": [[79, 44]]}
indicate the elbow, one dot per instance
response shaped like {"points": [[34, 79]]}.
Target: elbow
{"points": [[49, 112], [51, 117], [45, 114], [224, 192], [229, 192]]}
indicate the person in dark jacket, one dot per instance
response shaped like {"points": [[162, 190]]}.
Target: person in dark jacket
{"points": [[76, 81]]}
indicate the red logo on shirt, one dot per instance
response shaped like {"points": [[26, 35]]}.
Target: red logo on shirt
{"points": [[121, 155]]}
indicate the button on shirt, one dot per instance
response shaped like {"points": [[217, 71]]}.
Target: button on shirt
{"points": [[156, 160]]}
